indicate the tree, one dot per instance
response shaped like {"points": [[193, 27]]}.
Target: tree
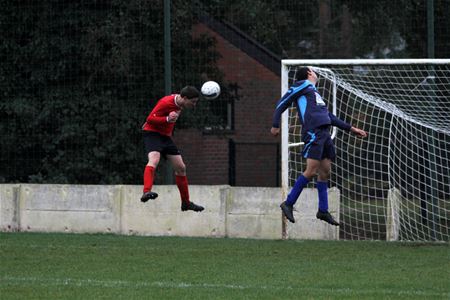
{"points": [[86, 75]]}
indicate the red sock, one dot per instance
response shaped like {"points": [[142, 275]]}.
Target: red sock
{"points": [[182, 184], [148, 178]]}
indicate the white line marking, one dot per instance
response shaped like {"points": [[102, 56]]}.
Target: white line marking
{"points": [[7, 280]]}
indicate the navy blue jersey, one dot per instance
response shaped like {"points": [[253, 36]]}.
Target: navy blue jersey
{"points": [[312, 110]]}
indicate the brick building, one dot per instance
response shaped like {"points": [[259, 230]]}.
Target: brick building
{"points": [[246, 154]]}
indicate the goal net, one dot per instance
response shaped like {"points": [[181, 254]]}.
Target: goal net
{"points": [[394, 184]]}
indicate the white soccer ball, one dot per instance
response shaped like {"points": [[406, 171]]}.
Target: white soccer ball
{"points": [[210, 90]]}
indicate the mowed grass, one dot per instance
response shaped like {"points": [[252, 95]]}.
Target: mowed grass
{"points": [[79, 266]]}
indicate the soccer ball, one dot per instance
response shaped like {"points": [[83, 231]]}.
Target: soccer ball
{"points": [[210, 90]]}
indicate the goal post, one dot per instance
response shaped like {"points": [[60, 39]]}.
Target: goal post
{"points": [[394, 184]]}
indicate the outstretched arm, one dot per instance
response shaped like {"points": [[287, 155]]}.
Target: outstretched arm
{"points": [[335, 121], [275, 131], [358, 132], [284, 103]]}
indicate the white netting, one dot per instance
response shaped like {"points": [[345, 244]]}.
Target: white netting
{"points": [[395, 184]]}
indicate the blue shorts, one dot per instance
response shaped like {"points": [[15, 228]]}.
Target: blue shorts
{"points": [[318, 144]]}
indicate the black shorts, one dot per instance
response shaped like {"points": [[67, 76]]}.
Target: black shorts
{"points": [[154, 141], [318, 144]]}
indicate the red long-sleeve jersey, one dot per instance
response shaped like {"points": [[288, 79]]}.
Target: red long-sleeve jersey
{"points": [[157, 119]]}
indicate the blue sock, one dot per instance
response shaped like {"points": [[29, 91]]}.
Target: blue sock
{"points": [[300, 183], [322, 189]]}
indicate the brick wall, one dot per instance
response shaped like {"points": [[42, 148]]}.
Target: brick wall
{"points": [[207, 156], [256, 164]]}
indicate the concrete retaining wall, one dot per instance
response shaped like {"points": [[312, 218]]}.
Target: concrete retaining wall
{"points": [[243, 212]]}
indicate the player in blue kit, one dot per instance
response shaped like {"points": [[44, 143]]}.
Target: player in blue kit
{"points": [[318, 147]]}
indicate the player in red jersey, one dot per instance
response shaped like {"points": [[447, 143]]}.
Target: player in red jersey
{"points": [[158, 130]]}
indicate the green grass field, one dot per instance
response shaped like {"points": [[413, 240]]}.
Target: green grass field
{"points": [[70, 266]]}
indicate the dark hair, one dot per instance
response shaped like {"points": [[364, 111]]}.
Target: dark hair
{"points": [[302, 74], [190, 92]]}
